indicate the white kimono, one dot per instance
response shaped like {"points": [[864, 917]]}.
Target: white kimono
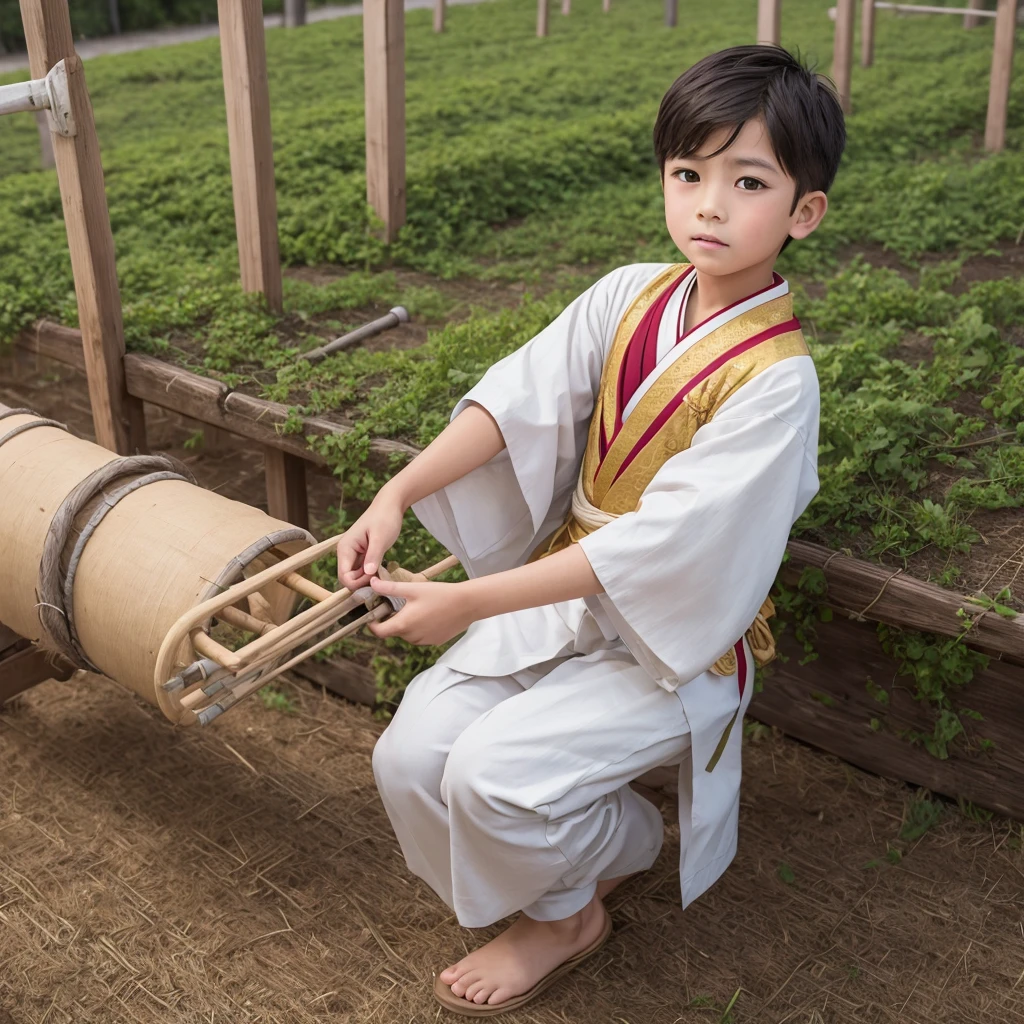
{"points": [[684, 575]]}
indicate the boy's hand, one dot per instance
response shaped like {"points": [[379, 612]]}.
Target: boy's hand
{"points": [[365, 542], [433, 612]]}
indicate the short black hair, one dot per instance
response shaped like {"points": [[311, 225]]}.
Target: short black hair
{"points": [[799, 108]]}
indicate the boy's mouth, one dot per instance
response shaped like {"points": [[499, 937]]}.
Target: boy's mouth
{"points": [[709, 242]]}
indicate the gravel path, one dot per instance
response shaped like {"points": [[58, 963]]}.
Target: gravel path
{"points": [[129, 41]]}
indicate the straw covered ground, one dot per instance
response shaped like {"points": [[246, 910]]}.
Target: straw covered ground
{"points": [[248, 874]]}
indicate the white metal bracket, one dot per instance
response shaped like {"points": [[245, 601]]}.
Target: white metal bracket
{"points": [[49, 94]]}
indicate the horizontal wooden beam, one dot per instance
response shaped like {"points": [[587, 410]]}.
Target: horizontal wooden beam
{"points": [[345, 678], [833, 703], [201, 398], [24, 665], [880, 594]]}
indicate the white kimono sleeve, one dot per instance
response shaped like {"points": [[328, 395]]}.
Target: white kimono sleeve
{"points": [[685, 576], [541, 397]]}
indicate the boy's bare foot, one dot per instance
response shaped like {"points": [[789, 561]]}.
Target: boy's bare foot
{"points": [[524, 953]]}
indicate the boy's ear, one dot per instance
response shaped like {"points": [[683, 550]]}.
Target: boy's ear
{"points": [[809, 214]]}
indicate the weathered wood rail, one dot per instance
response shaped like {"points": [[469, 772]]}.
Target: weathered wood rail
{"points": [[875, 593], [201, 398], [830, 704]]}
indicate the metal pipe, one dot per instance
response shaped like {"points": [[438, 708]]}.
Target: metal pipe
{"points": [[921, 9], [22, 96], [49, 93], [394, 317]]}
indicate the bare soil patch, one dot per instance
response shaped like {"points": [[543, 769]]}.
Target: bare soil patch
{"points": [[1006, 261]]}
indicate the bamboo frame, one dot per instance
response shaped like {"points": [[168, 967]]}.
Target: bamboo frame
{"points": [[247, 98], [999, 80], [1002, 52], [243, 671], [971, 20], [294, 13], [769, 21], [384, 75], [842, 51], [118, 408], [117, 417], [867, 33]]}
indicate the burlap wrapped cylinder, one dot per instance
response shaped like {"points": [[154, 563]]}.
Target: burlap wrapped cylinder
{"points": [[156, 553]]}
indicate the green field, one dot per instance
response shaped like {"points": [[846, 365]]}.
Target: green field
{"points": [[530, 160]]}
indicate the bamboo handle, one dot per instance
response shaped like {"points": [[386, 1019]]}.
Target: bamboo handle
{"points": [[307, 588], [443, 566], [206, 647], [243, 620]]}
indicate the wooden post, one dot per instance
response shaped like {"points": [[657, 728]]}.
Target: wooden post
{"points": [[117, 418], [972, 20], [867, 33], [542, 18], [671, 13], [384, 76], [247, 97], [999, 83], [286, 487], [842, 51], [294, 13], [45, 141], [606, 5], [438, 15], [769, 21], [566, 6]]}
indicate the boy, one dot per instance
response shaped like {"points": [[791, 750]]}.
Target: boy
{"points": [[620, 491]]}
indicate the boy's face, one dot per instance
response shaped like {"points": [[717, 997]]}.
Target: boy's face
{"points": [[742, 198]]}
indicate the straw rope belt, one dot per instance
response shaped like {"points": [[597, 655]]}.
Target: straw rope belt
{"points": [[759, 635]]}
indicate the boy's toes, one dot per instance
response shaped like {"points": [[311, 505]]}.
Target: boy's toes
{"points": [[499, 995], [479, 991], [462, 985], [452, 974]]}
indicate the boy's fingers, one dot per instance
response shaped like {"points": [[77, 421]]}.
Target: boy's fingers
{"points": [[381, 629], [371, 559], [347, 555], [392, 588]]}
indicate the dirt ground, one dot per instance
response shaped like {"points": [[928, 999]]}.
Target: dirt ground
{"points": [[248, 873]]}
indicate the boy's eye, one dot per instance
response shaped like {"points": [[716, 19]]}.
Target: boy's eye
{"points": [[750, 184], [684, 174]]}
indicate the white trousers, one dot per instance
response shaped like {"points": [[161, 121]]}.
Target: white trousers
{"points": [[511, 793]]}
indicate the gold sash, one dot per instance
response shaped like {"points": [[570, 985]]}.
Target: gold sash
{"points": [[612, 486]]}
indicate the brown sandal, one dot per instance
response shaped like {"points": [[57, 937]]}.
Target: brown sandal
{"points": [[457, 1004]]}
